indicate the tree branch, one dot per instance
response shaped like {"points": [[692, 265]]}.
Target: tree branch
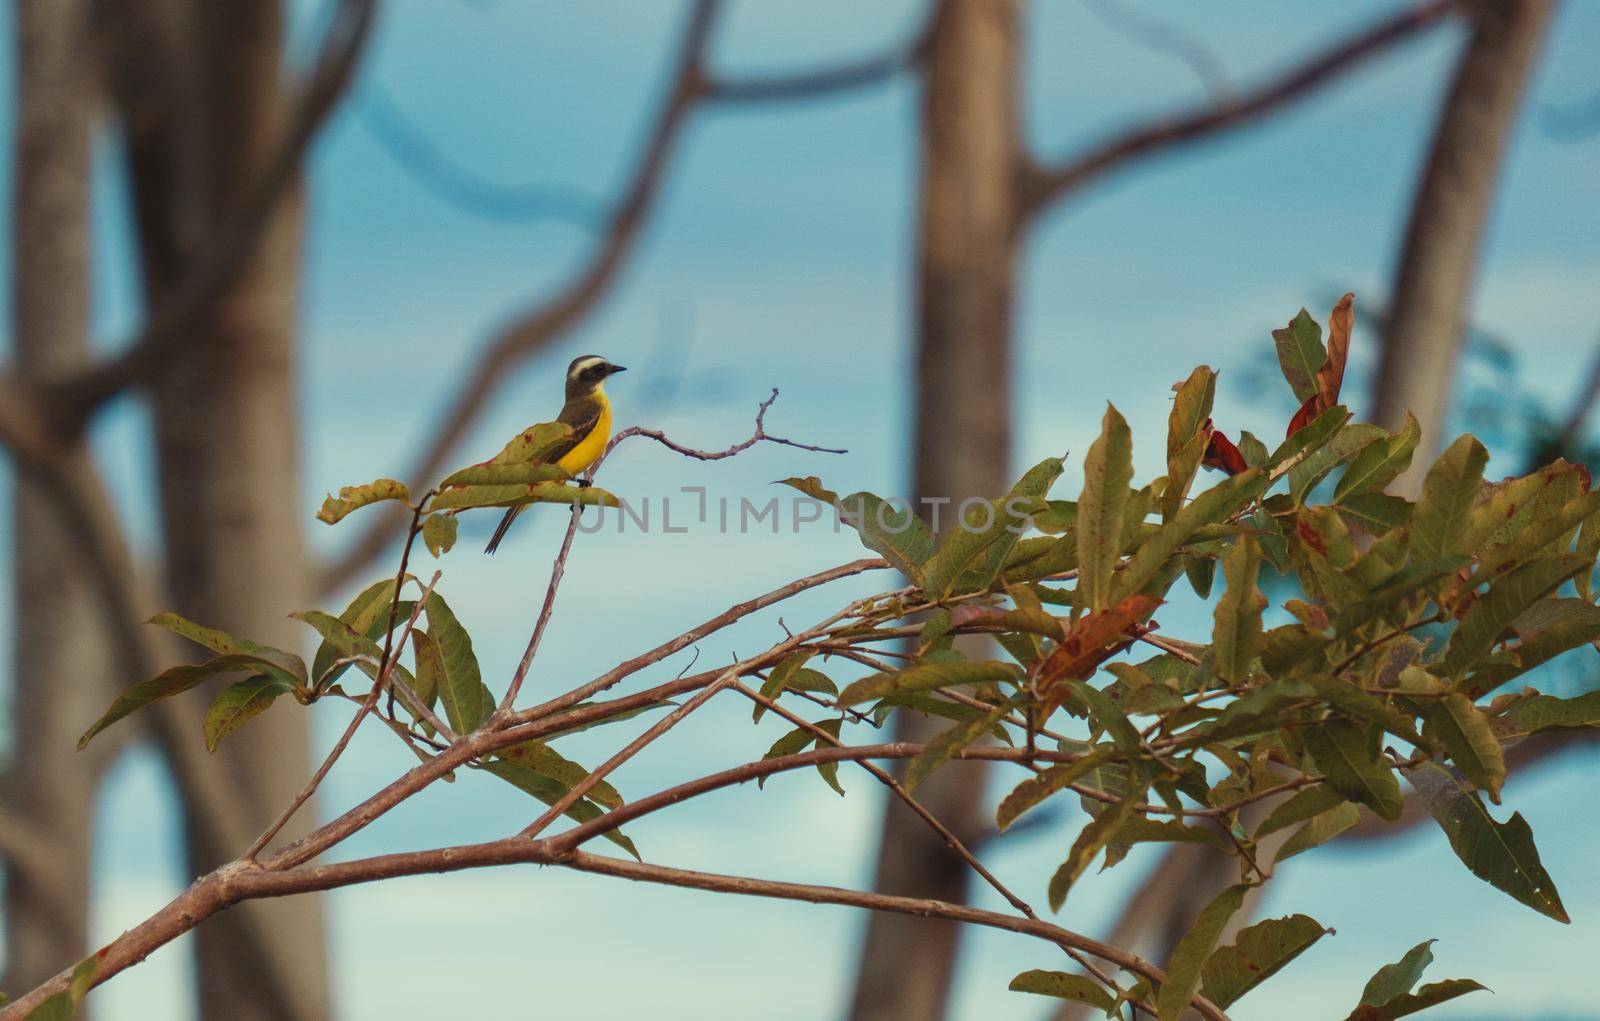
{"points": [[71, 402], [1042, 186]]}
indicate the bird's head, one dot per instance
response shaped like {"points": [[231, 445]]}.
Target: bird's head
{"points": [[587, 372]]}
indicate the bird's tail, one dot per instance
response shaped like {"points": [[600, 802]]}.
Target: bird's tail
{"points": [[500, 531]]}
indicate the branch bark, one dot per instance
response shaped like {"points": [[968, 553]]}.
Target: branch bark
{"points": [[1438, 260], [63, 667], [967, 246], [241, 881], [1042, 186]]}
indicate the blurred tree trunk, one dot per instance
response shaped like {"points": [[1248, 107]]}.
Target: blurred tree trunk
{"points": [[204, 96], [966, 272], [1438, 261], [61, 663]]}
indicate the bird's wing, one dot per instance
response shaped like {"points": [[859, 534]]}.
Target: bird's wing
{"points": [[582, 414]]}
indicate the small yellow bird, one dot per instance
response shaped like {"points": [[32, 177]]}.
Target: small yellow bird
{"points": [[588, 412]]}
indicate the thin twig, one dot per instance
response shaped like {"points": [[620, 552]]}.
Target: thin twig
{"points": [[693, 84], [899, 790], [558, 570], [1043, 186], [759, 436]]}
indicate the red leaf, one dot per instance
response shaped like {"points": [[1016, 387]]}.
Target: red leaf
{"points": [[1305, 416], [1222, 454], [1331, 376], [1096, 638]]}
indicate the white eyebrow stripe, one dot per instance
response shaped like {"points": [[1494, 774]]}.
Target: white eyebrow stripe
{"points": [[578, 367]]}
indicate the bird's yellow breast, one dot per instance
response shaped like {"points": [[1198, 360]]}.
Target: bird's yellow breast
{"points": [[590, 447]]}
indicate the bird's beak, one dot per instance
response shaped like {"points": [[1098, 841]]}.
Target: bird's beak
{"points": [[613, 370]]}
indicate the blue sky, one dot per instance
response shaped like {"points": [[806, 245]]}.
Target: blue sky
{"points": [[779, 256]]}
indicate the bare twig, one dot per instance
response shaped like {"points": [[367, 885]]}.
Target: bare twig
{"points": [[692, 83], [734, 613], [558, 570], [391, 654], [899, 791], [759, 436], [1042, 186], [818, 84]]}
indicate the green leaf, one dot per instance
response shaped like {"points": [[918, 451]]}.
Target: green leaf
{"points": [[1300, 354], [1548, 628], [1236, 630], [369, 609], [551, 791], [1186, 439], [1348, 761], [541, 758], [1102, 507], [63, 1005], [505, 475], [462, 498], [343, 638], [446, 663], [1441, 523], [1399, 978], [1380, 464], [951, 742], [1106, 714], [439, 533], [1344, 695], [1320, 431], [1215, 504], [1547, 712], [1496, 610], [1040, 786], [926, 677], [1306, 804], [1143, 830], [973, 553], [1501, 854], [777, 681], [1252, 449], [894, 533], [1430, 995], [1348, 443], [829, 771], [353, 498], [1201, 572], [1064, 986], [239, 703], [534, 443], [1091, 840], [812, 487], [1258, 953], [792, 743], [1318, 831], [1462, 728], [1375, 513], [222, 643], [169, 682], [1255, 711], [1190, 955]]}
